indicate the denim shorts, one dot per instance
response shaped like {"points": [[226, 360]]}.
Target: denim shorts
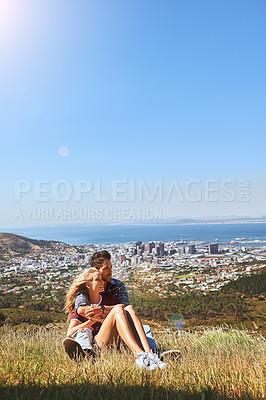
{"points": [[84, 338]]}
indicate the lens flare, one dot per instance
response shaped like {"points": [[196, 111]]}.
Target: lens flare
{"points": [[63, 151], [176, 321]]}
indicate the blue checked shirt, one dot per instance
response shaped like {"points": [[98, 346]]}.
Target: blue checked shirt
{"points": [[115, 287]]}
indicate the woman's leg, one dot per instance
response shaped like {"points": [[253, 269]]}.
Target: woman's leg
{"points": [[117, 321], [137, 328]]}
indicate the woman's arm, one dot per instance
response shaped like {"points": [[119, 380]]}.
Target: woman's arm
{"points": [[75, 326], [95, 312]]}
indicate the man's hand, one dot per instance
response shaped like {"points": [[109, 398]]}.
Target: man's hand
{"points": [[93, 313]]}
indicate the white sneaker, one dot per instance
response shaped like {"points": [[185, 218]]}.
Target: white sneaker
{"points": [[144, 360], [149, 361], [156, 360]]}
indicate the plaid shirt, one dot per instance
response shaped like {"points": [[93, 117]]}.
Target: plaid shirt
{"points": [[118, 288], [115, 287]]}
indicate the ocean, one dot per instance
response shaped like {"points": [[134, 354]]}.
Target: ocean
{"points": [[111, 234]]}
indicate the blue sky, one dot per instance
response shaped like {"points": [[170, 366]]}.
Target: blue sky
{"points": [[136, 90]]}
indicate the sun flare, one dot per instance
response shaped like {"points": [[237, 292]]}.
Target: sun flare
{"points": [[11, 16]]}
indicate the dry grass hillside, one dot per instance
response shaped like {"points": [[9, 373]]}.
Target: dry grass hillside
{"points": [[216, 363]]}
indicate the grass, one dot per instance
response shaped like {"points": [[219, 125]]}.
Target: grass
{"points": [[216, 363]]}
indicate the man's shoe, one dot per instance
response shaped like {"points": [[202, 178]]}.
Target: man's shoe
{"points": [[155, 360], [149, 361], [170, 355], [144, 360], [89, 353], [73, 349]]}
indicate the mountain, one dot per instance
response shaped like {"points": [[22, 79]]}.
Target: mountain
{"points": [[214, 220], [11, 244], [229, 219]]}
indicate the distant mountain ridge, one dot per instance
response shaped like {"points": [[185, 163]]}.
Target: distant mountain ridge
{"points": [[230, 219], [213, 220]]}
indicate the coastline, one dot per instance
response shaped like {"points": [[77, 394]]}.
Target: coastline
{"points": [[115, 234]]}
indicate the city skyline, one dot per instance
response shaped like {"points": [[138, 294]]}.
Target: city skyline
{"points": [[95, 96]]}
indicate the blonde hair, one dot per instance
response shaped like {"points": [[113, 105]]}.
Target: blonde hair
{"points": [[78, 286]]}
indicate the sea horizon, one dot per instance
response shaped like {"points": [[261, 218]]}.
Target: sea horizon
{"points": [[125, 233]]}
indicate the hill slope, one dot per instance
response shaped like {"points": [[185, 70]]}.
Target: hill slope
{"points": [[216, 364], [10, 244]]}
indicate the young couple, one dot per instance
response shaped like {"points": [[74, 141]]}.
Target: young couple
{"points": [[100, 313]]}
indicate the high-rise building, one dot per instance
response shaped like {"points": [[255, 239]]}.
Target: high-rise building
{"points": [[149, 246], [213, 248], [181, 250], [139, 248], [192, 249]]}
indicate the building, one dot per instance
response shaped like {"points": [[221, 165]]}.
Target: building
{"points": [[149, 246], [213, 248], [192, 249], [161, 246]]}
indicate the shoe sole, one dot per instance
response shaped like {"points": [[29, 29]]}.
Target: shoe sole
{"points": [[170, 355], [73, 349], [89, 353]]}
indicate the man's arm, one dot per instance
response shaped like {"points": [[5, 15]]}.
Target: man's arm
{"points": [[83, 308], [81, 300]]}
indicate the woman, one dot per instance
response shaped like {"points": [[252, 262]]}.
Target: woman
{"points": [[105, 330]]}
